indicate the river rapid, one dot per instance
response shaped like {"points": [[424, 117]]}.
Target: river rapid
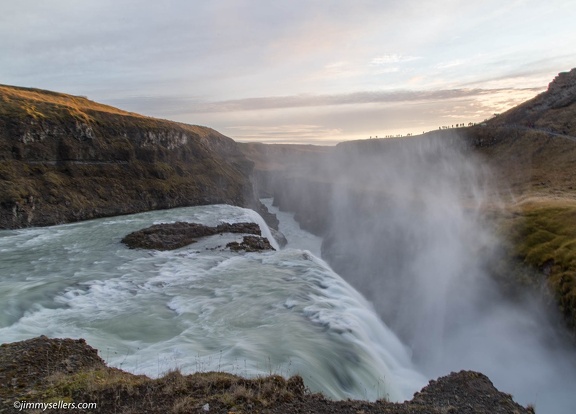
{"points": [[201, 307]]}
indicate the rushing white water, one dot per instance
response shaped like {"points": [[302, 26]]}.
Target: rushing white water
{"points": [[199, 308], [296, 237]]}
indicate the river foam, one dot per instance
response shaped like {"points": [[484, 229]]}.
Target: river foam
{"points": [[199, 308]]}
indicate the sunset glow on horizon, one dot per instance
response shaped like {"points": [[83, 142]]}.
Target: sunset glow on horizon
{"points": [[293, 72]]}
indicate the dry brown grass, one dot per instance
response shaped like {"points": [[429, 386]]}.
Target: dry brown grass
{"points": [[530, 164], [37, 103], [118, 391], [18, 103]]}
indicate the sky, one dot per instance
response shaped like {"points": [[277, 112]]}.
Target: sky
{"points": [[297, 71]]}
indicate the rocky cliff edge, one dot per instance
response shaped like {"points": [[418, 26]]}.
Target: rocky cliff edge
{"points": [[65, 158], [66, 371]]}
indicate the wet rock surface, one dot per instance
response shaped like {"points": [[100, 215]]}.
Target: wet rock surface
{"points": [[251, 244], [170, 236]]}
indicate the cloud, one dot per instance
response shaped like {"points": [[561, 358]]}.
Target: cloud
{"points": [[237, 59], [328, 119], [181, 105], [392, 58], [286, 134], [451, 64]]}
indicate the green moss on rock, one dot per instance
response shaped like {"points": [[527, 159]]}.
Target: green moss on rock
{"points": [[542, 234]]}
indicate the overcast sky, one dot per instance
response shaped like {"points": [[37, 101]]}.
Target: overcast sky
{"points": [[317, 71]]}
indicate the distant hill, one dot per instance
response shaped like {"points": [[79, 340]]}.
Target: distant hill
{"points": [[65, 158]]}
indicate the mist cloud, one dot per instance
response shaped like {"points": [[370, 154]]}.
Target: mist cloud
{"points": [[407, 227]]}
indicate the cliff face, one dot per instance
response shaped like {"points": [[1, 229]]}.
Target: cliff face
{"points": [[553, 110], [65, 158]]}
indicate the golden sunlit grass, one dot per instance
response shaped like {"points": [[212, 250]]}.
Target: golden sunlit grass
{"points": [[18, 104], [43, 104]]}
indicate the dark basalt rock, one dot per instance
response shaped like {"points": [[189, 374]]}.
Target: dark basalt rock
{"points": [[466, 392], [170, 236], [25, 364], [251, 244]]}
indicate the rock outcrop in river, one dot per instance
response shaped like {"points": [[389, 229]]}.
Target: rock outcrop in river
{"points": [[171, 236]]}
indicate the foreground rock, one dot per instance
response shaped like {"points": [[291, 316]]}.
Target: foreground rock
{"points": [[43, 370], [170, 236], [26, 365]]}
